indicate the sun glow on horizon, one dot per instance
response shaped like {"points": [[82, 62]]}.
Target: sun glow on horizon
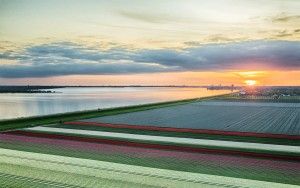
{"points": [[250, 82]]}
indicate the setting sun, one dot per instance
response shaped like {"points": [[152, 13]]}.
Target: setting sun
{"points": [[250, 82]]}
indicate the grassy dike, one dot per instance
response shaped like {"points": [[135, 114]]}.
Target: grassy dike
{"points": [[71, 116]]}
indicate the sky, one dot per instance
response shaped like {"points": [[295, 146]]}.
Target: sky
{"points": [[158, 42]]}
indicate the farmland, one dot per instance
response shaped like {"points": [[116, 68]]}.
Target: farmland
{"points": [[275, 118], [194, 162], [150, 94], [191, 143], [60, 171]]}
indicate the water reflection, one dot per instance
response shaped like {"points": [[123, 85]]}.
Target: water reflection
{"points": [[74, 99]]}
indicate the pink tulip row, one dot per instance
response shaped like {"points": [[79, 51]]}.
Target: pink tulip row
{"points": [[139, 152]]}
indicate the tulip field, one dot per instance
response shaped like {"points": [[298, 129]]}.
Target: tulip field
{"points": [[263, 117], [160, 148]]}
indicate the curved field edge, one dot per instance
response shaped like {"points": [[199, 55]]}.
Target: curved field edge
{"points": [[71, 116]]}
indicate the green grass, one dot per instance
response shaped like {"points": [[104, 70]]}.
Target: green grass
{"points": [[72, 116], [222, 169], [18, 176]]}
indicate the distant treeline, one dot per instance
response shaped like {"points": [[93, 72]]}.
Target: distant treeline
{"points": [[27, 89], [224, 87], [118, 86]]}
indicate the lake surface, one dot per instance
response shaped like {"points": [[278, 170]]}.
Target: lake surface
{"points": [[75, 99]]}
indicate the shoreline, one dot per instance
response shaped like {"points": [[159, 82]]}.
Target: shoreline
{"points": [[70, 116]]}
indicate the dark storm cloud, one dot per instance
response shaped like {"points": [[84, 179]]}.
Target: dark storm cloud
{"points": [[66, 58]]}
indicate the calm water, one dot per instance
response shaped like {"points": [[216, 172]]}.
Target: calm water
{"points": [[75, 99]]}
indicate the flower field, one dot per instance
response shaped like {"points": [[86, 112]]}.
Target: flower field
{"points": [[97, 154], [59, 171], [263, 117]]}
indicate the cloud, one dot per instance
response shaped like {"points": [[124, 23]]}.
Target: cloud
{"points": [[296, 30], [284, 33], [158, 17], [67, 58], [155, 18], [143, 17], [283, 17], [214, 38], [48, 70], [229, 56]]}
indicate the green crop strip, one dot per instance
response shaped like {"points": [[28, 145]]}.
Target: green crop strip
{"points": [[18, 176], [246, 172]]}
